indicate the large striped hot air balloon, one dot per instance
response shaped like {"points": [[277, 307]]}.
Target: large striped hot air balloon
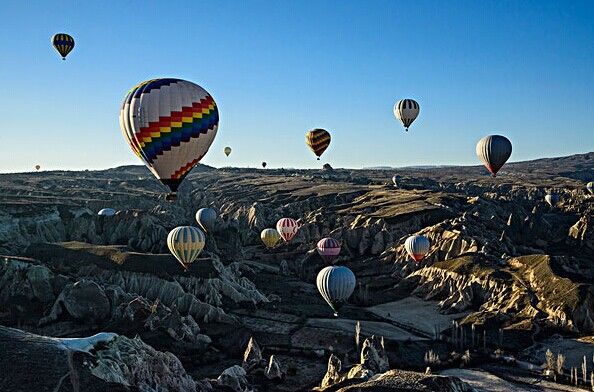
{"points": [[63, 43], [169, 124], [406, 110], [417, 246], [206, 218], [318, 141], [287, 228], [270, 237], [590, 187], [336, 284], [494, 151], [186, 243], [328, 249]]}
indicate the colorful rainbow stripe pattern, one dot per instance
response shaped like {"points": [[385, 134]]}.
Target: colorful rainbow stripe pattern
{"points": [[186, 243], [63, 43], [318, 141], [170, 124]]}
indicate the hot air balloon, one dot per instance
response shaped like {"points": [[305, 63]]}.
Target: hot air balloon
{"points": [[318, 141], [169, 124], [206, 218], [406, 110], [63, 43], [417, 247], [336, 284], [264, 165], [328, 249], [494, 151], [37, 167], [106, 212], [287, 228], [396, 180], [270, 237], [552, 199], [186, 243], [590, 187], [227, 151]]}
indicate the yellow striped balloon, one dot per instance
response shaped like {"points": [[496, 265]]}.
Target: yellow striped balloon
{"points": [[270, 237], [186, 243], [63, 43], [318, 141]]}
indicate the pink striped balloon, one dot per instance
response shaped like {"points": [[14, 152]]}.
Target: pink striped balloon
{"points": [[329, 249], [287, 228]]}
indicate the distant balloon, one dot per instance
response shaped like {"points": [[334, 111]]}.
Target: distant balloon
{"points": [[396, 180], [329, 249], [227, 151], [169, 124], [318, 141], [186, 243], [336, 284], [37, 167], [264, 164], [106, 212], [270, 237], [206, 218], [494, 151], [287, 228], [63, 43], [552, 199], [590, 187], [406, 110], [417, 246]]}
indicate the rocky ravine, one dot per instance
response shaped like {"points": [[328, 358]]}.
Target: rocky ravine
{"points": [[502, 262]]}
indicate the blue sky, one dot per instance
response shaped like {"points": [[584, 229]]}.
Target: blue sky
{"points": [[524, 69]]}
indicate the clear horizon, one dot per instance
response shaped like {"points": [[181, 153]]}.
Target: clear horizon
{"points": [[524, 70]]}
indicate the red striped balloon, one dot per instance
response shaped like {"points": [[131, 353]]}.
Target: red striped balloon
{"points": [[287, 228], [329, 249]]}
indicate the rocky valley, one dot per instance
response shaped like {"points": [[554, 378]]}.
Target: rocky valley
{"points": [[95, 303]]}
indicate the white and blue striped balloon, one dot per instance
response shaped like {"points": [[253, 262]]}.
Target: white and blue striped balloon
{"points": [[186, 244], [206, 218], [336, 284]]}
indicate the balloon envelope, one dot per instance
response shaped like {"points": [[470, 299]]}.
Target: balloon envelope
{"points": [[417, 246], [186, 243], [264, 164], [63, 43], [206, 218], [170, 125], [287, 228], [270, 237], [328, 249], [406, 110], [106, 212], [37, 167], [336, 284], [590, 187], [396, 180], [494, 151], [227, 151], [552, 199], [318, 141]]}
